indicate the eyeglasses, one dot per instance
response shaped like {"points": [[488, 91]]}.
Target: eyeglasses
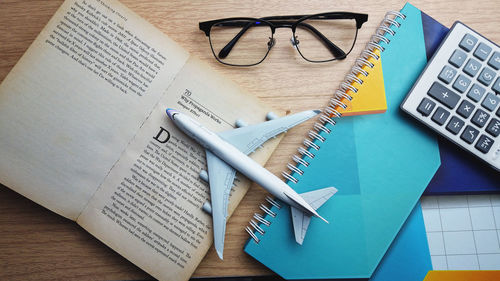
{"points": [[318, 38]]}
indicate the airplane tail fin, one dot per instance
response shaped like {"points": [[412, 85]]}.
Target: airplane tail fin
{"points": [[318, 197], [301, 220]]}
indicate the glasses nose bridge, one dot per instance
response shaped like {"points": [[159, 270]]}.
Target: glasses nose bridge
{"points": [[289, 25], [281, 24]]}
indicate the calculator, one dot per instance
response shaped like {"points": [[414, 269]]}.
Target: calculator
{"points": [[458, 93]]}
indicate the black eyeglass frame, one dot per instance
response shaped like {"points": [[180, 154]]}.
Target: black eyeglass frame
{"points": [[275, 22]]}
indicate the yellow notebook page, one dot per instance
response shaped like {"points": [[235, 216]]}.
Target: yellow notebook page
{"points": [[370, 97]]}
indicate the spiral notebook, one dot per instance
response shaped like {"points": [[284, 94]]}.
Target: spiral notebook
{"points": [[379, 163]]}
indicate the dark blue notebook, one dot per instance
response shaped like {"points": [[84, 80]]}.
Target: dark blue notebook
{"points": [[461, 173]]}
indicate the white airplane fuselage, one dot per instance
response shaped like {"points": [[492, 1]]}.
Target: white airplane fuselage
{"points": [[240, 162]]}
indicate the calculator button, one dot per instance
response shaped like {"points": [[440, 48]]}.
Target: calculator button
{"points": [[472, 67], [455, 125], [468, 42], [493, 127], [444, 95], [484, 144], [495, 60], [496, 86], [447, 74], [461, 84], [480, 118], [465, 109], [476, 92], [469, 134], [426, 107], [486, 76], [440, 116], [458, 58], [491, 101], [482, 51]]}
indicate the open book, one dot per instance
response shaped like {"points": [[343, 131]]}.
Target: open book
{"points": [[84, 133]]}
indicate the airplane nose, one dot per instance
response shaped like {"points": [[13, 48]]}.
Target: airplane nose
{"points": [[171, 112]]}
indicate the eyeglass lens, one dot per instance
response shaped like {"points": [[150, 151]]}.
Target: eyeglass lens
{"points": [[241, 42], [318, 39]]}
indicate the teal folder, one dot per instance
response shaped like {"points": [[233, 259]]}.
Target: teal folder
{"points": [[408, 258], [380, 164]]}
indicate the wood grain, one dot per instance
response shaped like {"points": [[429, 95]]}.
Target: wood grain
{"points": [[38, 244]]}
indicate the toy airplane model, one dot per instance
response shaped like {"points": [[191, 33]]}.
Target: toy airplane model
{"points": [[227, 153]]}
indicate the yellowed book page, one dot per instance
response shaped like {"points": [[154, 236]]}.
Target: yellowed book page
{"points": [[77, 97], [149, 207]]}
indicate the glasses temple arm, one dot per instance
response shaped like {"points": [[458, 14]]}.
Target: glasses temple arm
{"points": [[334, 49]]}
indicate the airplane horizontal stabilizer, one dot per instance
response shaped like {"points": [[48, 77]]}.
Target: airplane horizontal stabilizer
{"points": [[318, 197], [301, 220]]}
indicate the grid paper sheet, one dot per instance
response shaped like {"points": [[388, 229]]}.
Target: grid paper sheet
{"points": [[463, 231]]}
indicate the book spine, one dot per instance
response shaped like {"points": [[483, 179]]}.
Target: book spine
{"points": [[345, 93]]}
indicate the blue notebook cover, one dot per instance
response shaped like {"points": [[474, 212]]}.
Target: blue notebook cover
{"points": [[408, 258], [380, 164]]}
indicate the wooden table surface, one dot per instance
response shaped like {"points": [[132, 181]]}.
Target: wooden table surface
{"points": [[38, 244]]}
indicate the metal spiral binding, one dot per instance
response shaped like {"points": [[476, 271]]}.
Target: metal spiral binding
{"points": [[326, 119], [313, 135], [366, 54], [260, 219], [267, 210], [299, 160], [294, 168], [257, 227], [351, 77], [272, 202], [254, 237], [320, 127], [358, 70]]}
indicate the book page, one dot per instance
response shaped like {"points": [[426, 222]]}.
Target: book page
{"points": [[149, 207], [77, 97]]}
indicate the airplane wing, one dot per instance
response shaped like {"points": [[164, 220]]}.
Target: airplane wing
{"points": [[248, 138], [220, 177], [301, 220]]}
